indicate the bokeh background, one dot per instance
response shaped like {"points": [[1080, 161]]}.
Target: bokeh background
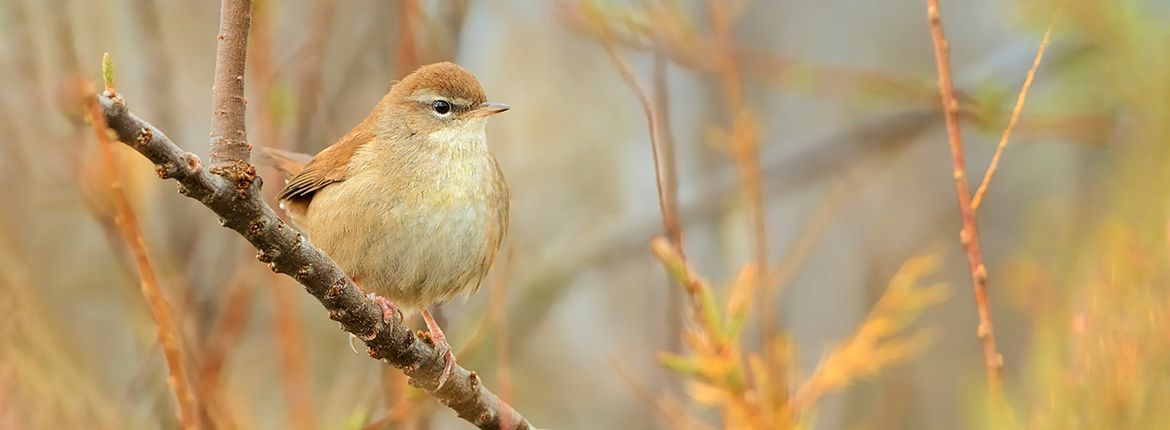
{"points": [[833, 103]]}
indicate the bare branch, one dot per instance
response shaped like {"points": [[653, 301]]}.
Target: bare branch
{"points": [[674, 301], [669, 215], [229, 140], [969, 235], [663, 157], [1015, 118]]}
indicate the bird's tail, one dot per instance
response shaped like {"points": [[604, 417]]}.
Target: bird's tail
{"points": [[287, 162]]}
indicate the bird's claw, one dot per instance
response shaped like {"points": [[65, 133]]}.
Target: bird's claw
{"points": [[439, 340], [448, 363], [389, 309]]}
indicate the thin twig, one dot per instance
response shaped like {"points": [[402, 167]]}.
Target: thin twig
{"points": [[663, 155], [662, 174], [1015, 118], [674, 305], [665, 175], [666, 149], [167, 330], [969, 235]]}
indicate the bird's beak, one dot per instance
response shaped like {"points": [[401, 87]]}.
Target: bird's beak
{"points": [[488, 109]]}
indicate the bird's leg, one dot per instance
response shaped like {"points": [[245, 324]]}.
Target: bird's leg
{"points": [[440, 341]]}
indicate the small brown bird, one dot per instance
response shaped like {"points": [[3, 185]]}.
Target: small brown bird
{"points": [[410, 203]]}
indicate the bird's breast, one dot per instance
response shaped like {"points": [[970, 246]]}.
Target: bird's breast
{"points": [[416, 227]]}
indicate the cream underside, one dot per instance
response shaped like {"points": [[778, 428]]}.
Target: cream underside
{"points": [[408, 241]]}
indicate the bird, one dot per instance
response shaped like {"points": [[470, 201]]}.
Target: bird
{"points": [[410, 203]]}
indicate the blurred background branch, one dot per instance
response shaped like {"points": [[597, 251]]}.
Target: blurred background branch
{"points": [[168, 332], [969, 234]]}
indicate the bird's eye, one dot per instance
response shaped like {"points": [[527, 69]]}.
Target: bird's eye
{"points": [[442, 107]]}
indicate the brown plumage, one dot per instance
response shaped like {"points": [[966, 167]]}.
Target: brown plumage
{"points": [[410, 203]]}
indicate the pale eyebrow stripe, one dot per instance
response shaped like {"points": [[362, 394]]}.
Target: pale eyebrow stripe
{"points": [[427, 97], [423, 97]]}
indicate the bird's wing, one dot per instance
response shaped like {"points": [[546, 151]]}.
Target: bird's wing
{"points": [[287, 162], [329, 166]]}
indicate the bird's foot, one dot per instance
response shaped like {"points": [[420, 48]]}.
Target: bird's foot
{"points": [[440, 341], [388, 307], [388, 310]]}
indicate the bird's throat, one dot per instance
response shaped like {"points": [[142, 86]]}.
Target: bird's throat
{"points": [[460, 136]]}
